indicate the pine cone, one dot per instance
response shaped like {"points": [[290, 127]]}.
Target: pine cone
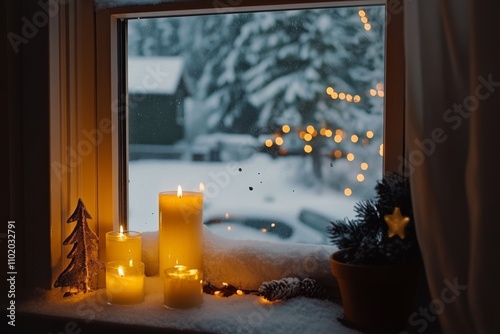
{"points": [[290, 287], [311, 288], [280, 289]]}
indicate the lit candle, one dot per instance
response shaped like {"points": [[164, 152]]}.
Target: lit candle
{"points": [[124, 282], [180, 230], [182, 287], [123, 246]]}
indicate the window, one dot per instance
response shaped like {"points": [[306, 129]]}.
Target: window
{"points": [[85, 97], [279, 114]]}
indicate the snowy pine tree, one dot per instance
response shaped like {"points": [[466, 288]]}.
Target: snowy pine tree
{"points": [[257, 71], [279, 65]]}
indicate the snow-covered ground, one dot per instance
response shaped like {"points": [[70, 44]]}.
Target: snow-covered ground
{"points": [[263, 187]]}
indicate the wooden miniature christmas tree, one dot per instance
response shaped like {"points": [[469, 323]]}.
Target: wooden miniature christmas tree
{"points": [[84, 263]]}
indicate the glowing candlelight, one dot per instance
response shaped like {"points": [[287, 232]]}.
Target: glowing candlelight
{"points": [[182, 287], [120, 271], [124, 282], [180, 229], [123, 245]]}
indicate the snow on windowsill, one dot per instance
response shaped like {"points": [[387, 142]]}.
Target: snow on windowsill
{"points": [[248, 263], [245, 263]]}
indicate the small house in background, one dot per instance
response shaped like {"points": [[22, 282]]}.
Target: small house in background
{"points": [[157, 92]]}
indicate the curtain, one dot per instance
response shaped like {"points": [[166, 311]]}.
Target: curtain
{"points": [[452, 137]]}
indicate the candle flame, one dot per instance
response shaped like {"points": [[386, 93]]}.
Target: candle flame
{"points": [[202, 187], [180, 267], [130, 263], [179, 191], [120, 271]]}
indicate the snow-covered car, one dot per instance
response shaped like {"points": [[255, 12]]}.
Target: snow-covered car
{"points": [[305, 227]]}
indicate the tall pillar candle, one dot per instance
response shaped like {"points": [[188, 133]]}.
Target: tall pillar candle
{"points": [[123, 246], [180, 230]]}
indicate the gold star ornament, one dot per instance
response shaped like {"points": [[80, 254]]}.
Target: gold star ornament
{"points": [[396, 223]]}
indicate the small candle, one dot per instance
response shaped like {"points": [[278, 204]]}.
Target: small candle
{"points": [[123, 246], [180, 229], [124, 282], [182, 287]]}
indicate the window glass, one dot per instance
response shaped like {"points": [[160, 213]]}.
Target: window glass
{"points": [[278, 114]]}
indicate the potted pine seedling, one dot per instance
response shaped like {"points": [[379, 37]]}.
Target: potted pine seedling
{"points": [[377, 261]]}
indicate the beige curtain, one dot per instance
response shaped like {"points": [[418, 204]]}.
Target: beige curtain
{"points": [[453, 128]]}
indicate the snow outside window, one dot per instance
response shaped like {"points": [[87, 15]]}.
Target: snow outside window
{"points": [[279, 115]]}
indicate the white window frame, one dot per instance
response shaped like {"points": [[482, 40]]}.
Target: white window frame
{"points": [[84, 55]]}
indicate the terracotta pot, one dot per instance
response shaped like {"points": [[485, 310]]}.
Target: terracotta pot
{"points": [[376, 299]]}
